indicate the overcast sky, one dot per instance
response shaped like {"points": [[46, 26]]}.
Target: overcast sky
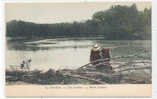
{"points": [[59, 12]]}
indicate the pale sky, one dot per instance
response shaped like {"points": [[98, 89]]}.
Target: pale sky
{"points": [[60, 12]]}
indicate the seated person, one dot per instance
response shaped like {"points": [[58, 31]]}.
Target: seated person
{"points": [[95, 54], [105, 54]]}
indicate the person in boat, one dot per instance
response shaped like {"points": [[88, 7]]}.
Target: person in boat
{"points": [[95, 54], [105, 54]]}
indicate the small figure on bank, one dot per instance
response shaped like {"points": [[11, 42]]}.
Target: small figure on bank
{"points": [[22, 64], [28, 64], [95, 54]]}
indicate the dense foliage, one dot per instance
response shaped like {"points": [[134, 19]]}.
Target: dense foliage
{"points": [[117, 23]]}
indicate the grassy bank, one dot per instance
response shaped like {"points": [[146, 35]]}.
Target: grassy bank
{"points": [[67, 76]]}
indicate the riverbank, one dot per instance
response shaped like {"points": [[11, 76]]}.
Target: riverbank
{"points": [[78, 76], [51, 76]]}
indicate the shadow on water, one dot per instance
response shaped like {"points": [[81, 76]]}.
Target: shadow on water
{"points": [[43, 44], [118, 47], [37, 47]]}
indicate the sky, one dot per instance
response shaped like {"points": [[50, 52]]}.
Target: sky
{"points": [[60, 12]]}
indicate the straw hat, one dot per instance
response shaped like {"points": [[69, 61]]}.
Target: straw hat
{"points": [[96, 47]]}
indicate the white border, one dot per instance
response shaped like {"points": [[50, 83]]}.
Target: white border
{"points": [[154, 49], [64, 1], [2, 39], [2, 51]]}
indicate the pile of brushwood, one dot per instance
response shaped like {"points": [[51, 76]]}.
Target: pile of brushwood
{"points": [[137, 72]]}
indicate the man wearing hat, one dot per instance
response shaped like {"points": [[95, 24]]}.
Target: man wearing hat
{"points": [[95, 54]]}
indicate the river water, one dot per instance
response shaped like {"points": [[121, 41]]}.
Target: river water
{"points": [[71, 53]]}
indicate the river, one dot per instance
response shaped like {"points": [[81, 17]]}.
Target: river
{"points": [[71, 53]]}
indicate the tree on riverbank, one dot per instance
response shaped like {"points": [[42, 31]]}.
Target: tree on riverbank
{"points": [[117, 23]]}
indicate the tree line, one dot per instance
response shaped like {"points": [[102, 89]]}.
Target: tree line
{"points": [[116, 23]]}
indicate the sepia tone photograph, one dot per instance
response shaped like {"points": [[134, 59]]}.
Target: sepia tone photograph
{"points": [[94, 43]]}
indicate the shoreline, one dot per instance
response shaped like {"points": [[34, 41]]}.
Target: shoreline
{"points": [[84, 76]]}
